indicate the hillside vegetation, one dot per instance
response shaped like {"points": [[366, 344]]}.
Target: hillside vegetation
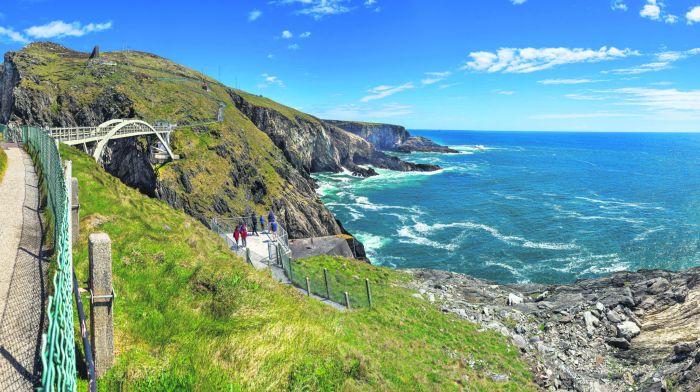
{"points": [[228, 168], [190, 315]]}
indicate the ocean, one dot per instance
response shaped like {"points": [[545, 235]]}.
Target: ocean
{"points": [[531, 206]]}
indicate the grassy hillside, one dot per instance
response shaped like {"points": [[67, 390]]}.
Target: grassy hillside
{"points": [[190, 315], [3, 164], [227, 168]]}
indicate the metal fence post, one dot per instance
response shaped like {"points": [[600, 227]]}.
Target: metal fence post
{"points": [[308, 286], [247, 256], [347, 300], [291, 274], [369, 293], [101, 301], [325, 280], [75, 209]]}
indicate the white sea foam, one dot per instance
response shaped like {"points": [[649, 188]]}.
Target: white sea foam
{"points": [[508, 239], [643, 236], [371, 242], [409, 236], [615, 203]]}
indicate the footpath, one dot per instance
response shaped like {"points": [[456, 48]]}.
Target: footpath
{"points": [[23, 274]]}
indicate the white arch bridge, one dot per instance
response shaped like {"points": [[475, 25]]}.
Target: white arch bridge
{"points": [[115, 129]]}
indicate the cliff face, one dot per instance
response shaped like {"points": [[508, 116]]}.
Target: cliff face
{"points": [[636, 330], [389, 137], [312, 145], [228, 168], [383, 136]]}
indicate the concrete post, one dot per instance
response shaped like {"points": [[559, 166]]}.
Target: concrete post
{"points": [[308, 286], [101, 316], [75, 210], [347, 300]]}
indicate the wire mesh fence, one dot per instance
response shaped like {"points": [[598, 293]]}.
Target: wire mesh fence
{"points": [[58, 343], [348, 290]]}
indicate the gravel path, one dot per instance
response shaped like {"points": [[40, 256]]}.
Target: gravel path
{"points": [[22, 276]]}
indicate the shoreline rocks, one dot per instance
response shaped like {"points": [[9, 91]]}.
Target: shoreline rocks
{"points": [[637, 331]]}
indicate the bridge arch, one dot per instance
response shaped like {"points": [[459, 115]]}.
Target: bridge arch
{"points": [[120, 128]]}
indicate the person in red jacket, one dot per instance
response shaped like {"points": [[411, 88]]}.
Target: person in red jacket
{"points": [[244, 235], [236, 235]]}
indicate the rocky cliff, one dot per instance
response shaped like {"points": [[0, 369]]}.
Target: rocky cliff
{"points": [[629, 331], [389, 137], [312, 145], [229, 168], [383, 136]]}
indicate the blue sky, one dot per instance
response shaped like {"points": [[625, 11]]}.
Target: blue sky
{"points": [[579, 65]]}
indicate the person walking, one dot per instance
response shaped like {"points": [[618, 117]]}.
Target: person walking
{"points": [[273, 228], [244, 235], [254, 219], [236, 235], [262, 224], [270, 219]]}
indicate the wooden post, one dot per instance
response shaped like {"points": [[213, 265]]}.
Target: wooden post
{"points": [[247, 256], [369, 293], [325, 279], [101, 301], [308, 286], [347, 300]]}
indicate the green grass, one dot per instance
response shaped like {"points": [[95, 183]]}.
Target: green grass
{"points": [[290, 113], [3, 162], [190, 315]]}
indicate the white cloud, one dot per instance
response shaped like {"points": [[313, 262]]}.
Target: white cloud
{"points": [[526, 60], [12, 35], [318, 9], [306, 34], [293, 47], [60, 29], [435, 77], [568, 81], [665, 100], [651, 10], [355, 112], [572, 116], [618, 5], [369, 3], [693, 15], [271, 56], [286, 34], [663, 60], [654, 10], [504, 92], [448, 85], [270, 80], [584, 97], [384, 91], [518, 2], [254, 15]]}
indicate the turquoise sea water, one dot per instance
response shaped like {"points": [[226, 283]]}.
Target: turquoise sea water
{"points": [[532, 207]]}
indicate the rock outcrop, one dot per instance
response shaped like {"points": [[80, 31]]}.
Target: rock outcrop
{"points": [[313, 145], [389, 137], [423, 144], [628, 331]]}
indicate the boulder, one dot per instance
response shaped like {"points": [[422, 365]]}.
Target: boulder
{"points": [[514, 299], [621, 343], [627, 330]]}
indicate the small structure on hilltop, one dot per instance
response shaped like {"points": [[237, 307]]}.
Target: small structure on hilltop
{"points": [[95, 52], [96, 59]]}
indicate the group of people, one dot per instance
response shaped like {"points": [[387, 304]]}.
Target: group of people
{"points": [[240, 233]]}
